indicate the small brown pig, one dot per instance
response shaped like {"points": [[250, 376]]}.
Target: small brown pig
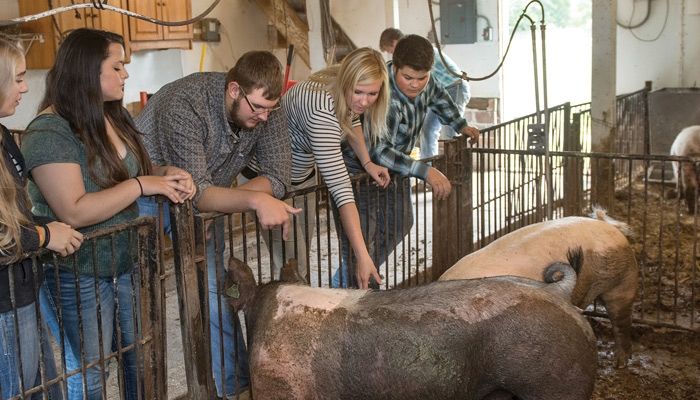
{"points": [[486, 338], [609, 270]]}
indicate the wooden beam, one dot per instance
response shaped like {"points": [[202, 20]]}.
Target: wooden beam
{"points": [[287, 22]]}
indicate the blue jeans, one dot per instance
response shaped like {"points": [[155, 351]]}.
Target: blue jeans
{"points": [[32, 346], [296, 246], [79, 305], [148, 207], [430, 134], [386, 217], [227, 344]]}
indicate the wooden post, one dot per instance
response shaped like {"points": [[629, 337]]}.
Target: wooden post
{"points": [[192, 301], [440, 227], [603, 103], [573, 169], [465, 174], [452, 222], [154, 364]]}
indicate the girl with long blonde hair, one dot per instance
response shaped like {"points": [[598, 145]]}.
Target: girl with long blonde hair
{"points": [[342, 103], [19, 235]]}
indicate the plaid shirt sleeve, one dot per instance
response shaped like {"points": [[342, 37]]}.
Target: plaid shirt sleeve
{"points": [[394, 150], [444, 107]]}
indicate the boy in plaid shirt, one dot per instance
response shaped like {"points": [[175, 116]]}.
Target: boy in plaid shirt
{"points": [[413, 93]]}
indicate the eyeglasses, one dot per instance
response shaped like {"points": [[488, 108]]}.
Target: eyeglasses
{"points": [[258, 110]]}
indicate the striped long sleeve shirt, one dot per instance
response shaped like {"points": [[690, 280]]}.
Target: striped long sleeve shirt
{"points": [[404, 122], [316, 137]]}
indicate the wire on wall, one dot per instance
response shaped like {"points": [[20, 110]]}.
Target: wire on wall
{"points": [[640, 23], [658, 35], [102, 5], [462, 74]]}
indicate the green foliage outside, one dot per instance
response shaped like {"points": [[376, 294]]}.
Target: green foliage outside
{"points": [[557, 13]]}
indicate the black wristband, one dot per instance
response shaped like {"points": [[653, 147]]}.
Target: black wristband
{"points": [[139, 182], [47, 236]]}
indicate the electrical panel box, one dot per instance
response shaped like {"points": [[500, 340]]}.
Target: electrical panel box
{"points": [[207, 30], [457, 21]]}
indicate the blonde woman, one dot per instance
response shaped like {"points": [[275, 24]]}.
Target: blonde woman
{"points": [[19, 234], [334, 105]]}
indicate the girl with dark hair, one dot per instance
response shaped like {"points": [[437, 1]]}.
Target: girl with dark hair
{"points": [[88, 167], [23, 336]]}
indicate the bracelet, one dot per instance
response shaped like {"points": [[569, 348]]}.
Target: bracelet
{"points": [[47, 236], [139, 182], [41, 233], [366, 162]]}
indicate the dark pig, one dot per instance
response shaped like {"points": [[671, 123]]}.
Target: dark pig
{"points": [[468, 339], [687, 144], [609, 270]]}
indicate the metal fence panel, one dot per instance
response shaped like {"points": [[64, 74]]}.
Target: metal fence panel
{"points": [[89, 344]]}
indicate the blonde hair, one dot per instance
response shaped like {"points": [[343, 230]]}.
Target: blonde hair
{"points": [[11, 216], [360, 66]]}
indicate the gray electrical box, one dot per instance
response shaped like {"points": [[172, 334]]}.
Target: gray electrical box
{"points": [[457, 21], [207, 30]]}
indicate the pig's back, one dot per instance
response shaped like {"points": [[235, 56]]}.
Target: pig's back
{"points": [[687, 143], [415, 342], [528, 250]]}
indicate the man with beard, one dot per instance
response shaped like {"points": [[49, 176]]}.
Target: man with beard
{"points": [[211, 125]]}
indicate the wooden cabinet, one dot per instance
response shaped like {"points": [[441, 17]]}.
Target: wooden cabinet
{"points": [[146, 35], [42, 55], [138, 34], [92, 18]]}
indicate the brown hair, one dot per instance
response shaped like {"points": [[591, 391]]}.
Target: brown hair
{"points": [[255, 70], [414, 51], [74, 91], [388, 36]]}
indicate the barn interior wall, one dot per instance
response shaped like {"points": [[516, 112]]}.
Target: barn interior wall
{"points": [[364, 20], [672, 60]]}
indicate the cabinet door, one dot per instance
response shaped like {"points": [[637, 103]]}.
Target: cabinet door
{"points": [[71, 20], [143, 30], [40, 55], [177, 10], [114, 22], [110, 20]]}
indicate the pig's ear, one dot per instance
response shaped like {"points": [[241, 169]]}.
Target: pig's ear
{"points": [[290, 273], [239, 285]]}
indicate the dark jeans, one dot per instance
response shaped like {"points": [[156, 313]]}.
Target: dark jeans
{"points": [[386, 218]]}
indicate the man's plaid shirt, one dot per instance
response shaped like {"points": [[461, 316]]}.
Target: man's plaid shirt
{"points": [[404, 122]]}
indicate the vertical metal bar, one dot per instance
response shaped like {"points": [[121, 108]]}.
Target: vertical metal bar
{"points": [[81, 316], [317, 215], [117, 334], [307, 238]]}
